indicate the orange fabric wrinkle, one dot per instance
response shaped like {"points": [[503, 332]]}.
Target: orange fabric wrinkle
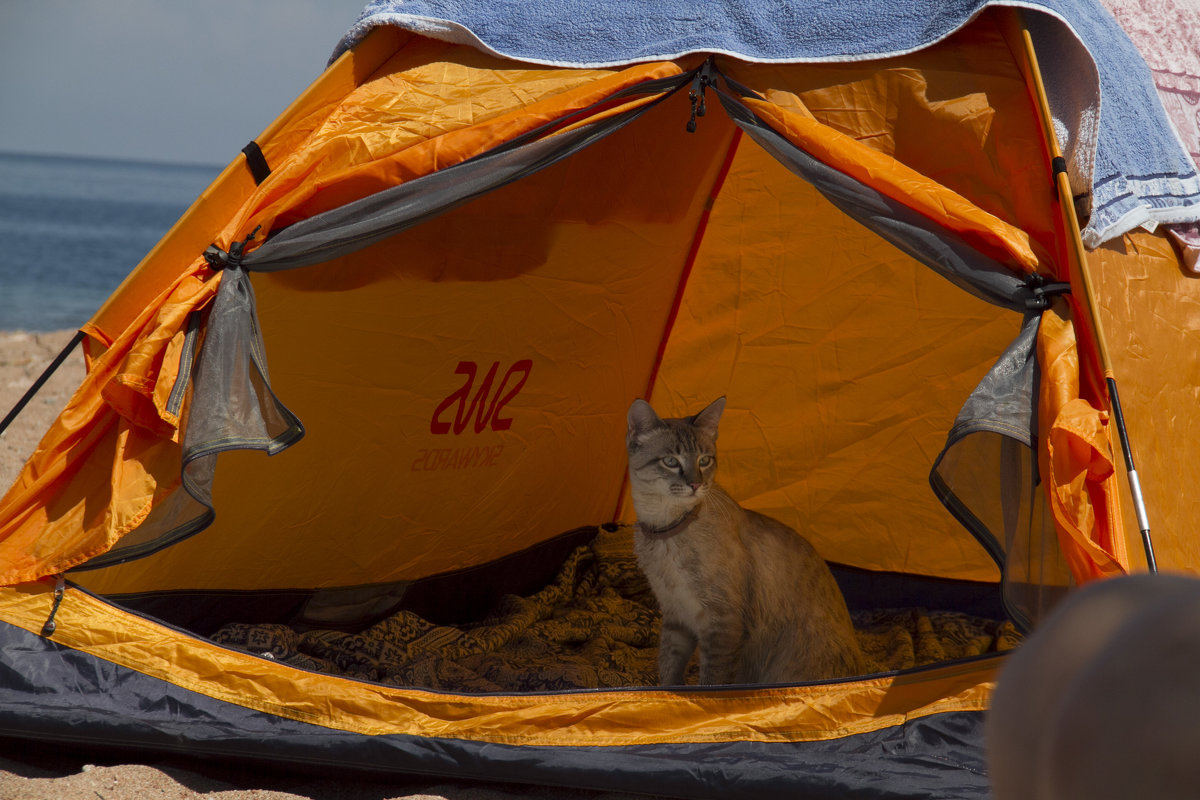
{"points": [[1150, 303], [1003, 241], [336, 167], [1077, 458], [70, 502]]}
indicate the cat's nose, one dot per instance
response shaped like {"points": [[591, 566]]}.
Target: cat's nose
{"points": [[695, 487]]}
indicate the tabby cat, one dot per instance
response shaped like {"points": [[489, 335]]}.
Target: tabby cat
{"points": [[751, 592]]}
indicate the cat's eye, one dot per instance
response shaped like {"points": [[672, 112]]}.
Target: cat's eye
{"points": [[671, 461], [704, 461]]}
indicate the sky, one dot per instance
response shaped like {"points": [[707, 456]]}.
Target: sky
{"points": [[177, 81]]}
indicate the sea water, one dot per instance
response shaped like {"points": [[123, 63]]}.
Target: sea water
{"points": [[71, 229]]}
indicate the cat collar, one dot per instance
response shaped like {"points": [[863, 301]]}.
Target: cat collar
{"points": [[673, 528]]}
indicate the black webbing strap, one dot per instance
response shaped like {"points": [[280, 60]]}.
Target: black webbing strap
{"points": [[1057, 165], [1044, 291], [41, 381], [256, 161], [219, 259]]}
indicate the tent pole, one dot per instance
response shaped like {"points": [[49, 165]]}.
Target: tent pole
{"points": [[1135, 486], [41, 381], [1079, 256]]}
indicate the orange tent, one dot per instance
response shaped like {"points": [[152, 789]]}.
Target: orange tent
{"points": [[433, 294]]}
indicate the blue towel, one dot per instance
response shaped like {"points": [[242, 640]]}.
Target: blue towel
{"points": [[1127, 165]]}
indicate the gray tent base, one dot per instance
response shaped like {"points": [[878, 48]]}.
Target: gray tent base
{"points": [[56, 694]]}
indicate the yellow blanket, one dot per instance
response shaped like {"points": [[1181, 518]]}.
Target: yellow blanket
{"points": [[595, 626]]}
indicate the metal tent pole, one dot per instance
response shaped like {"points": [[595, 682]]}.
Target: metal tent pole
{"points": [[1079, 255]]}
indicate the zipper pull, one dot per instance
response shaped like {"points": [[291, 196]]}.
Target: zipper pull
{"points": [[60, 588], [702, 80]]}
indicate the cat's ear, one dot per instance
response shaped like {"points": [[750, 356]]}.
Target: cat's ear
{"points": [[707, 419], [641, 420]]}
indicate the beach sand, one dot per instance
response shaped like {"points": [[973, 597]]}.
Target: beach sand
{"points": [[54, 772], [23, 357], [61, 771]]}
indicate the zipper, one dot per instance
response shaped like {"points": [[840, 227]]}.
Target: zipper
{"points": [[60, 588], [187, 360], [705, 77]]}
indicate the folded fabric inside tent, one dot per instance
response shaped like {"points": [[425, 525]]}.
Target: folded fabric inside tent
{"points": [[595, 626]]}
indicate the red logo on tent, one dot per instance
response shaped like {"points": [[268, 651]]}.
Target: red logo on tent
{"points": [[485, 404]]}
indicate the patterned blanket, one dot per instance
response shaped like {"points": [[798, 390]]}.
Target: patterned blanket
{"points": [[594, 626]]}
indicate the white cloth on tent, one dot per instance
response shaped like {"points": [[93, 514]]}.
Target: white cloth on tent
{"points": [[1167, 34]]}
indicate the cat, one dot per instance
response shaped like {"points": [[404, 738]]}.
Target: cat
{"points": [[749, 591]]}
